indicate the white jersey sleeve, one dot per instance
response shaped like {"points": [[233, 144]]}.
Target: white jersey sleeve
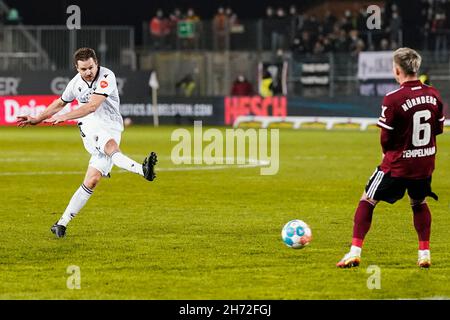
{"points": [[69, 94], [106, 84]]}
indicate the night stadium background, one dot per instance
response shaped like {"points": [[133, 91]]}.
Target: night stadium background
{"points": [[205, 232]]}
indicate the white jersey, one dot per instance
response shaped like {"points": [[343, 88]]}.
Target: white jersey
{"points": [[107, 114]]}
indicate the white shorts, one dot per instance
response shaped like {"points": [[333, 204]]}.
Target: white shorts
{"points": [[94, 139]]}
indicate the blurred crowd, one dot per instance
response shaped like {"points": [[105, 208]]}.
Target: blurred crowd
{"points": [[288, 28], [346, 33], [434, 26], [165, 28], [349, 32]]}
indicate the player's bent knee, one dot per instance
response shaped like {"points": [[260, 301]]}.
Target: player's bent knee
{"points": [[92, 181], [415, 202], [364, 197], [110, 147]]}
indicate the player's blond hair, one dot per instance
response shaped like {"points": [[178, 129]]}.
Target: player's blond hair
{"points": [[408, 60]]}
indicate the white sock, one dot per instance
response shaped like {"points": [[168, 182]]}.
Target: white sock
{"points": [[355, 251], [79, 199], [123, 162], [424, 254]]}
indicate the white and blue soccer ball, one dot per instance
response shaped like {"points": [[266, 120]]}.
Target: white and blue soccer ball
{"points": [[296, 234]]}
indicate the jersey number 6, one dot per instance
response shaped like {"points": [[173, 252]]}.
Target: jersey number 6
{"points": [[419, 127]]}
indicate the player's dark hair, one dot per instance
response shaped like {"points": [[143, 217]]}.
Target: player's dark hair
{"points": [[84, 54], [408, 60]]}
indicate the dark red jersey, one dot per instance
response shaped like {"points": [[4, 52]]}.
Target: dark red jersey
{"points": [[411, 117]]}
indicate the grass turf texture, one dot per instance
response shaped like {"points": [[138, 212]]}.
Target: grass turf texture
{"points": [[212, 234]]}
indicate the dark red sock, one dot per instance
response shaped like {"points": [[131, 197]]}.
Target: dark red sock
{"points": [[362, 221], [422, 223]]}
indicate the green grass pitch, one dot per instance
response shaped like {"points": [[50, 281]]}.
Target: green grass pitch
{"points": [[209, 234]]}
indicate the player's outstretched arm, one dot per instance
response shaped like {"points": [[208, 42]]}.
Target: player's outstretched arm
{"points": [[95, 101], [53, 108]]}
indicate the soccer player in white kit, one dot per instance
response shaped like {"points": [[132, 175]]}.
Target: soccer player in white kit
{"points": [[100, 124]]}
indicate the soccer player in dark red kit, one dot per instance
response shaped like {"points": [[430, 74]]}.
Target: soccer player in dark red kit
{"points": [[411, 117]]}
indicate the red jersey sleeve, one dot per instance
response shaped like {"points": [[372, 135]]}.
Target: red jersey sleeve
{"points": [[386, 140], [440, 113], [387, 117], [386, 122]]}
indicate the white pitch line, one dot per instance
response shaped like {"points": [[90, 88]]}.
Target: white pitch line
{"points": [[41, 173], [211, 167], [186, 159], [180, 168], [34, 159]]}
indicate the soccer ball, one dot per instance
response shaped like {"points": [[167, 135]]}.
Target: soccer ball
{"points": [[296, 234]]}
